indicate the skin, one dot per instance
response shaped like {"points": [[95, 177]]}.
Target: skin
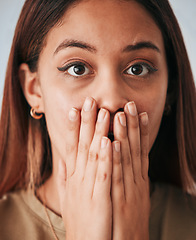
{"points": [[96, 176]]}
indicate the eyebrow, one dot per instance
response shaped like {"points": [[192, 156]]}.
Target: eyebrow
{"points": [[75, 43], [141, 45], [90, 48]]}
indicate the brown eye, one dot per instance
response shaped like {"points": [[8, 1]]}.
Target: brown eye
{"points": [[138, 69], [78, 70]]}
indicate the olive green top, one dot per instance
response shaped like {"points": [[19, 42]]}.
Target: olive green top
{"points": [[23, 217]]}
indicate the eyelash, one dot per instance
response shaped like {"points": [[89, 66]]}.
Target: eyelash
{"points": [[149, 68], [72, 64]]}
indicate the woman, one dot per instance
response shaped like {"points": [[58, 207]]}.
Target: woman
{"points": [[92, 88]]}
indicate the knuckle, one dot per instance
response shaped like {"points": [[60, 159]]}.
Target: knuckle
{"points": [[145, 177], [144, 153], [73, 191], [117, 179], [122, 206], [127, 162], [137, 178], [102, 158], [70, 148], [122, 135], [85, 118], [117, 162], [135, 124], [70, 175], [93, 156], [78, 178], [101, 177], [72, 126], [98, 130], [144, 132], [83, 147], [137, 152]]}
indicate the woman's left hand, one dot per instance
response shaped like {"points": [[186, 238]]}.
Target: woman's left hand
{"points": [[130, 183]]}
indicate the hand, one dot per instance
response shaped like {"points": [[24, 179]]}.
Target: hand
{"points": [[84, 182], [130, 184]]}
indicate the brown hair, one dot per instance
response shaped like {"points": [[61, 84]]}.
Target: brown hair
{"points": [[25, 153]]}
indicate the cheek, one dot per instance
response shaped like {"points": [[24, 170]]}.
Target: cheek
{"points": [[154, 105], [155, 117], [57, 110]]}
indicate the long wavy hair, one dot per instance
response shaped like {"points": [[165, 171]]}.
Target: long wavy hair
{"points": [[25, 150]]}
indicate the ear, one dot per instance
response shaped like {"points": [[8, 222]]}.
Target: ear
{"points": [[31, 87]]}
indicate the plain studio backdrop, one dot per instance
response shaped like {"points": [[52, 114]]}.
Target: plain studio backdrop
{"points": [[10, 10]]}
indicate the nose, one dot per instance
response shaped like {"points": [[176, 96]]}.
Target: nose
{"points": [[111, 94]]}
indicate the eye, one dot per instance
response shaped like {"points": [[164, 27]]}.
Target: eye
{"points": [[140, 69], [76, 69]]}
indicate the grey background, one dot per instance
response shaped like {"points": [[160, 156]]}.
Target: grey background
{"points": [[10, 10]]}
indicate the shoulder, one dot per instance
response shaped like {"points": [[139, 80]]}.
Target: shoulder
{"points": [[14, 215], [10, 204], [173, 213], [16, 218], [22, 216], [174, 198]]}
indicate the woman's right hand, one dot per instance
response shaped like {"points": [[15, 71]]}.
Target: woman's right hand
{"points": [[84, 181]]}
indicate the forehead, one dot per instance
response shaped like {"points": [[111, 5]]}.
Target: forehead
{"points": [[107, 23]]}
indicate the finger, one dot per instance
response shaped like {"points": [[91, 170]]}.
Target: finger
{"points": [[102, 127], [102, 186], [144, 136], [134, 138], [87, 129], [120, 134], [118, 191], [72, 136]]}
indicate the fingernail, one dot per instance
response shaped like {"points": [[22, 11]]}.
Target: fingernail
{"points": [[117, 146], [122, 119], [88, 104], [73, 113], [104, 142], [144, 118], [101, 115], [132, 109]]}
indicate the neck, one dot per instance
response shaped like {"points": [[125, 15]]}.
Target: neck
{"points": [[48, 194]]}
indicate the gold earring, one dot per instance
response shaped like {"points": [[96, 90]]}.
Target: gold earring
{"points": [[35, 115]]}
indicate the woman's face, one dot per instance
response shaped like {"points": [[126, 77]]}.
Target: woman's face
{"points": [[109, 50]]}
